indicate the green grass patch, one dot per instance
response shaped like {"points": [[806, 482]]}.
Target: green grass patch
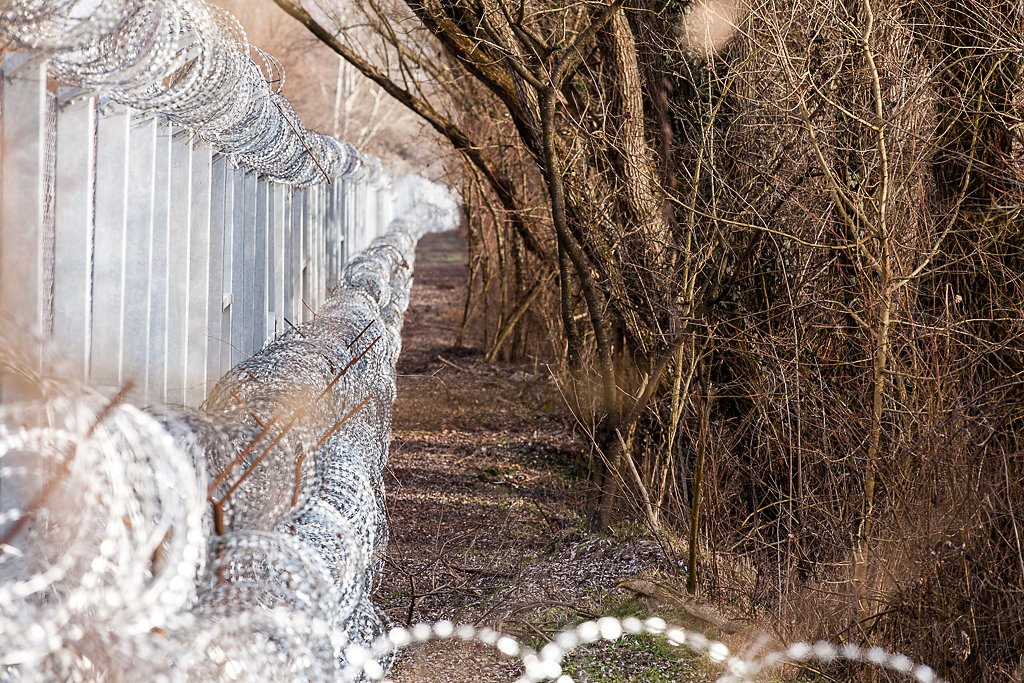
{"points": [[635, 658]]}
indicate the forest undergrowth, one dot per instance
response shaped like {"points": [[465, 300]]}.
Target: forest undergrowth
{"points": [[773, 251], [484, 497]]}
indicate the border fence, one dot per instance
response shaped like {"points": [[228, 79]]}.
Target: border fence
{"points": [[170, 234]]}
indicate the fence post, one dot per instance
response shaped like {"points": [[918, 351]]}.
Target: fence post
{"points": [[313, 229], [272, 214], [112, 147], [228, 274], [347, 239], [237, 266], [308, 250], [304, 286], [288, 278], [339, 227], [139, 229], [319, 247], [178, 264], [356, 229], [386, 205], [342, 225], [331, 241], [259, 322], [366, 201], [198, 283], [217, 330], [371, 207], [248, 264], [326, 241], [275, 325], [300, 209], [161, 245], [73, 222]]}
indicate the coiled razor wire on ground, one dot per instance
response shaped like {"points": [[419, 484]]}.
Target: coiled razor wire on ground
{"points": [[239, 540], [547, 664], [191, 62]]}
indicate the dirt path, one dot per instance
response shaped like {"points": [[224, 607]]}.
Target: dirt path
{"points": [[483, 506]]}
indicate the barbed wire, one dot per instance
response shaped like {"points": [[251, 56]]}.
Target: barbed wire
{"points": [[547, 664], [191, 62]]}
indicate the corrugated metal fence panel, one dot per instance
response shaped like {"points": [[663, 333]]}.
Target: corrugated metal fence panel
{"points": [[281, 215], [72, 271], [179, 242], [139, 237], [258, 328], [198, 283], [162, 247], [22, 183], [110, 224], [218, 324]]}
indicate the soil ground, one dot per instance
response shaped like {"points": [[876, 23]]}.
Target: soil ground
{"points": [[485, 508]]}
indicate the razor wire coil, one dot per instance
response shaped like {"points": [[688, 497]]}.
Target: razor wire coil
{"points": [[191, 62], [547, 664], [241, 540]]}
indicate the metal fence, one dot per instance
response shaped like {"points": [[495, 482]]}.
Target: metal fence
{"points": [[143, 255]]}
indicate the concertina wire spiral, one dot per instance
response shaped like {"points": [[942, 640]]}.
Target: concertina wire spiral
{"points": [[241, 540], [191, 62]]}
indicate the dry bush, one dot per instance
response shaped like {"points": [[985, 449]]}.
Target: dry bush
{"points": [[867, 380]]}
